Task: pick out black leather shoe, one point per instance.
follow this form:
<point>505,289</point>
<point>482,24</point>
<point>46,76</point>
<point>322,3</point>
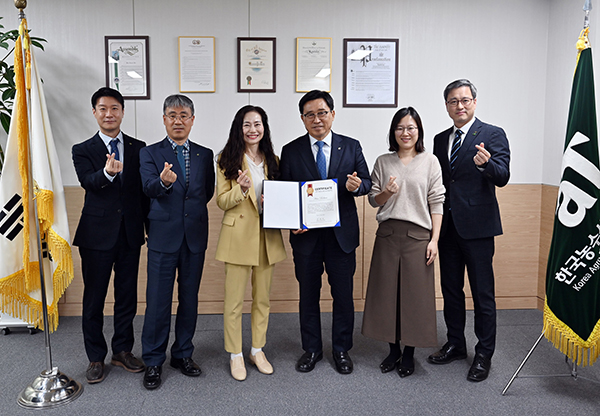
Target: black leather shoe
<point>387,366</point>
<point>152,377</point>
<point>480,368</point>
<point>343,362</point>
<point>405,371</point>
<point>447,354</point>
<point>95,372</point>
<point>187,366</point>
<point>307,362</point>
<point>128,361</point>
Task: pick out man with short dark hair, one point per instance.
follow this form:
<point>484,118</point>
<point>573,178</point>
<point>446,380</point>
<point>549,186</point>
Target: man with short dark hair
<point>179,177</point>
<point>323,154</point>
<point>110,232</point>
<point>475,158</point>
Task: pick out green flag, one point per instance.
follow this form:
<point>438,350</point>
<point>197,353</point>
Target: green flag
<point>572,310</point>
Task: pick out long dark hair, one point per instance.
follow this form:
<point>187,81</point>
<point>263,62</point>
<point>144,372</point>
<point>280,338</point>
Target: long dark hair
<point>400,114</point>
<point>232,154</point>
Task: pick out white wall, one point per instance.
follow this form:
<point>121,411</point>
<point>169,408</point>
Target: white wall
<point>519,53</point>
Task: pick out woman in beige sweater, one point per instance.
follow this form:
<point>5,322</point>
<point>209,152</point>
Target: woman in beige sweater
<point>244,245</point>
<point>408,190</point>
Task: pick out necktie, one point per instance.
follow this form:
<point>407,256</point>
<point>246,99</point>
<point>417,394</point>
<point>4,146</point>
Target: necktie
<point>455,148</point>
<point>321,163</point>
<point>181,160</point>
<point>114,149</point>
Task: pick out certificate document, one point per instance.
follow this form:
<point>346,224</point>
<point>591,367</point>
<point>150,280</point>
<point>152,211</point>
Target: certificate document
<point>320,204</point>
<point>313,64</point>
<point>196,64</point>
<point>296,205</point>
<point>256,64</point>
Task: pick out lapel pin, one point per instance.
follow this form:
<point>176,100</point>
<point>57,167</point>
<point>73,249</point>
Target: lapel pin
<point>340,148</point>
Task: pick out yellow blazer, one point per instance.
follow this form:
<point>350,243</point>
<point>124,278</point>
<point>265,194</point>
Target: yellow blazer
<point>240,228</point>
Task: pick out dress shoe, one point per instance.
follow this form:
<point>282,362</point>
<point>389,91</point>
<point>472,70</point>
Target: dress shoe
<point>95,372</point>
<point>187,366</point>
<point>152,377</point>
<point>261,362</point>
<point>343,362</point>
<point>447,354</point>
<point>388,365</point>
<point>238,368</point>
<point>128,361</point>
<point>307,362</point>
<point>480,368</point>
<point>404,371</point>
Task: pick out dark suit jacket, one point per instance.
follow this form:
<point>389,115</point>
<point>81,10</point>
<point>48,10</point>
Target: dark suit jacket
<point>178,212</point>
<point>298,164</point>
<point>106,201</point>
<point>471,193</point>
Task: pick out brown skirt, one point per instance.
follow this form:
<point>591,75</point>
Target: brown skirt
<point>400,301</point>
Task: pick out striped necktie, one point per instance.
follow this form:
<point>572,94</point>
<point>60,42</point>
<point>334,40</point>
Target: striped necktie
<point>321,163</point>
<point>455,147</point>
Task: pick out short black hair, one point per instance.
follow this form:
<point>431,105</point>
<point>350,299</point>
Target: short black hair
<point>457,84</point>
<point>400,114</point>
<point>107,92</point>
<point>178,100</point>
<point>315,95</point>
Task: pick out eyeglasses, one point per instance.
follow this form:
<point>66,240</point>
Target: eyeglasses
<point>175,117</point>
<point>409,129</point>
<point>320,114</point>
<point>464,101</point>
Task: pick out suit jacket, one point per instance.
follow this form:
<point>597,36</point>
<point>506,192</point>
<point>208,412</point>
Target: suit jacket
<point>471,193</point>
<point>241,226</point>
<point>177,212</point>
<point>107,202</point>
<point>298,164</point>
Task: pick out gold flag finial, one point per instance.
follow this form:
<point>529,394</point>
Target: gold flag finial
<point>20,4</point>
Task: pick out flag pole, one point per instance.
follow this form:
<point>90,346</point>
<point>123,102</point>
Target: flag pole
<point>587,7</point>
<point>51,388</point>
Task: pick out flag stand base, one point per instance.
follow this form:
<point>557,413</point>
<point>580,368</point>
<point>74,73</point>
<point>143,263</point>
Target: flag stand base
<point>573,373</point>
<point>50,389</point>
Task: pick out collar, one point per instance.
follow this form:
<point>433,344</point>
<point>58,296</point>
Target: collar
<point>326,140</point>
<point>107,139</point>
<point>174,145</point>
<point>465,129</point>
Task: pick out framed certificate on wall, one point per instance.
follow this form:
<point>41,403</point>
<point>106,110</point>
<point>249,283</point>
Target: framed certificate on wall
<point>197,64</point>
<point>127,69</point>
<point>256,65</point>
<point>370,72</point>
<point>313,64</point>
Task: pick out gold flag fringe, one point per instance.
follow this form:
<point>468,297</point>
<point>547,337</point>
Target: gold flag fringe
<point>568,342</point>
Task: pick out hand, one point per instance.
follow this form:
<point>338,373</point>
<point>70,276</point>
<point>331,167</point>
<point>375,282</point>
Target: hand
<point>392,187</point>
<point>244,180</point>
<point>299,231</point>
<point>167,176</point>
<point>432,252</point>
<point>113,166</point>
<point>482,156</point>
<point>353,182</point>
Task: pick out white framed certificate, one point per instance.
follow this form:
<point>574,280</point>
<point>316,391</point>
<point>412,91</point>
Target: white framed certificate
<point>196,64</point>
<point>313,64</point>
<point>301,205</point>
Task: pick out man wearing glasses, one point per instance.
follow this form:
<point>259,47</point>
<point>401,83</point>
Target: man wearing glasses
<point>323,154</point>
<point>178,176</point>
<point>474,157</point>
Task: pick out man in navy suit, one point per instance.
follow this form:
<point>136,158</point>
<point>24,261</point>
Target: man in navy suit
<point>110,232</point>
<point>475,159</point>
<point>322,154</point>
<point>179,177</point>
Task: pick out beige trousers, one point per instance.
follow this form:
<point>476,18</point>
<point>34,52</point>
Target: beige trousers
<point>236,280</point>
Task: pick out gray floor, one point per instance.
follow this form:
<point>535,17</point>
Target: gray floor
<point>432,390</point>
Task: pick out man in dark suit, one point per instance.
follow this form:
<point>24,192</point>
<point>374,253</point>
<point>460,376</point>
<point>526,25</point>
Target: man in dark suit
<point>110,232</point>
<point>179,178</point>
<point>322,154</point>
<point>475,160</point>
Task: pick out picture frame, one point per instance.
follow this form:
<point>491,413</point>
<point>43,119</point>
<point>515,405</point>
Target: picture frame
<point>127,65</point>
<point>196,63</point>
<point>313,64</point>
<point>256,69</point>
<point>370,72</point>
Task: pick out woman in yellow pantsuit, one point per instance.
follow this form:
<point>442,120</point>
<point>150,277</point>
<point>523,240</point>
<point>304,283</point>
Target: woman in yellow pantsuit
<point>244,245</point>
